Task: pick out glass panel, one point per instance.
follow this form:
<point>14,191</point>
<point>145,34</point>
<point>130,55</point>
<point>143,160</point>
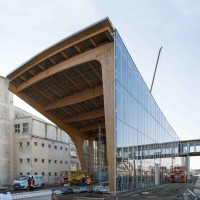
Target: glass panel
<point>140,128</point>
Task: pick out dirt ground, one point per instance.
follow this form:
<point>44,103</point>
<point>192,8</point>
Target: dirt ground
<point>168,191</point>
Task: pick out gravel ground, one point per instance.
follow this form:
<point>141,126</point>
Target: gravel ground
<point>168,191</point>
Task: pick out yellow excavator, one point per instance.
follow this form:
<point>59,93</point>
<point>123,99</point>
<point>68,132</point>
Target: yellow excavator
<point>74,177</point>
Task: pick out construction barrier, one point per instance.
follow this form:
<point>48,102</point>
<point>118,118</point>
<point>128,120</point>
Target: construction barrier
<point>35,195</point>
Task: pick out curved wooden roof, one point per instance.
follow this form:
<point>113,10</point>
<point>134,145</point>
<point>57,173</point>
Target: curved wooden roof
<point>74,96</point>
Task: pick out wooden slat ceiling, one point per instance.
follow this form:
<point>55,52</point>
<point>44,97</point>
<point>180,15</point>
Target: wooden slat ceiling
<point>59,93</point>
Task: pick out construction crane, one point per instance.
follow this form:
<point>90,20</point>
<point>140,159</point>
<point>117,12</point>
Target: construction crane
<point>155,69</point>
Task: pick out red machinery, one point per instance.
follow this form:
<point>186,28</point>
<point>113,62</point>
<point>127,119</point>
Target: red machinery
<point>178,174</point>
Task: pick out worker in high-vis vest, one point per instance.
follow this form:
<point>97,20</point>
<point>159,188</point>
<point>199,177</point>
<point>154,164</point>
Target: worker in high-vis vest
<point>31,183</point>
<point>88,182</point>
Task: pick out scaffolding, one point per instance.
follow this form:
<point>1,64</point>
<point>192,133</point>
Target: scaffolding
<point>98,153</point>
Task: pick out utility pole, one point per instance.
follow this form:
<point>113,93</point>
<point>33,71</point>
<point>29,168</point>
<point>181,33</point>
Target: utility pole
<point>155,69</point>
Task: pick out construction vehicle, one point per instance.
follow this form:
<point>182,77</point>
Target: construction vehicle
<point>178,174</point>
<point>74,177</point>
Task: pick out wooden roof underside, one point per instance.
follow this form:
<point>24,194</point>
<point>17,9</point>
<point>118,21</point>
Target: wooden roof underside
<point>75,95</point>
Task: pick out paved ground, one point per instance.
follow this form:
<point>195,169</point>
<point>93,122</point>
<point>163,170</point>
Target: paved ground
<point>162,192</point>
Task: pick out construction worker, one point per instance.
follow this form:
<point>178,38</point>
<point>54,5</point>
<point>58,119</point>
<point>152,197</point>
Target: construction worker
<point>83,180</point>
<point>88,182</point>
<point>31,183</point>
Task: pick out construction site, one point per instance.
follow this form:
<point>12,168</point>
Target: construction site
<point>89,86</point>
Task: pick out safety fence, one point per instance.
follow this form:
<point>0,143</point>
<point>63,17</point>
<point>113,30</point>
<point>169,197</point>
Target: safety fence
<point>35,195</point>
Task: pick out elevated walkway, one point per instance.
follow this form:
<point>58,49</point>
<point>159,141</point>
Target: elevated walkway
<point>161,150</point>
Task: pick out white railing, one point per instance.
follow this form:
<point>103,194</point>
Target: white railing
<point>35,195</point>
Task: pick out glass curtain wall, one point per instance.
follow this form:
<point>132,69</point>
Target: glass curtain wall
<point>141,127</point>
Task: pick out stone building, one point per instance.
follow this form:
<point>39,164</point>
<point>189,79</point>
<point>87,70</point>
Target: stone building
<point>30,145</point>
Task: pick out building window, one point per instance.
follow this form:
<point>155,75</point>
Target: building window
<point>49,173</point>
<point>49,146</point>
<point>43,173</point>
<point>74,153</point>
<point>42,160</point>
<point>28,159</point>
<point>55,147</point>
<point>21,173</point>
<point>73,166</point>
<point>60,148</point>
<point>17,128</point>
<point>36,173</point>
<point>49,161</point>
<point>25,127</point>
<point>35,159</point>
<point>20,160</point>
<point>61,162</point>
<point>20,144</point>
<point>28,173</point>
<point>28,143</point>
<point>65,162</point>
<point>55,161</point>
<point>55,173</point>
<point>65,149</point>
<point>42,144</point>
<point>35,143</point>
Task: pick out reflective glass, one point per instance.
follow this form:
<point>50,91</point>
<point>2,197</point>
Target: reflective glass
<point>141,128</point>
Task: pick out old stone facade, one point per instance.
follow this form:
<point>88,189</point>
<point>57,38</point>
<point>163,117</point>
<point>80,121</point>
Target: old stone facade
<point>30,145</point>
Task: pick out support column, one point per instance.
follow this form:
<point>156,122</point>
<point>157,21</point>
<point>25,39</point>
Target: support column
<point>78,141</point>
<point>91,157</point>
<point>157,174</point>
<point>187,159</point>
<point>107,62</point>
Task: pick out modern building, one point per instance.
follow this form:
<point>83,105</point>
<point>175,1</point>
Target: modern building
<point>89,85</point>
<point>30,145</point>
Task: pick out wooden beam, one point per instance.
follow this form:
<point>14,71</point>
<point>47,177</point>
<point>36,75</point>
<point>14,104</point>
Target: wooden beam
<point>32,72</point>
<point>76,98</point>
<point>77,60</point>
<point>91,127</point>
<point>85,116</point>
<point>52,61</point>
<point>60,85</point>
<point>22,78</point>
<point>42,94</point>
<point>92,100</point>
<point>83,77</point>
<point>93,68</point>
<point>92,42</point>
<point>77,48</point>
<point>64,55</point>
<point>71,80</point>
<point>52,117</point>
<point>41,67</point>
<point>59,50</point>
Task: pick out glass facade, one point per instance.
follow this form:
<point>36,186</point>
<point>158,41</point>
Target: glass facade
<point>141,129</point>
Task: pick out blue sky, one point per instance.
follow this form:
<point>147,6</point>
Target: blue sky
<point>29,26</point>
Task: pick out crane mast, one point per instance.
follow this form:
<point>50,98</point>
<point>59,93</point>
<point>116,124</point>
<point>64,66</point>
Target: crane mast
<point>155,69</point>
